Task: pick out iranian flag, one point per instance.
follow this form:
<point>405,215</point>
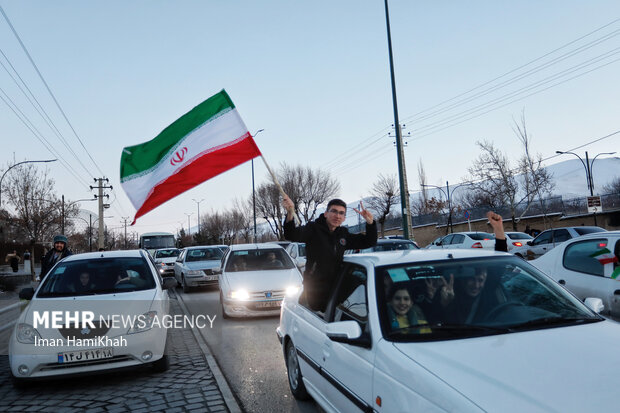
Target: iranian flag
<point>203,143</point>
<point>604,256</point>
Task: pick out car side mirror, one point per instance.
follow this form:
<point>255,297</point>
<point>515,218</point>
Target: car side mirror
<point>348,332</point>
<point>594,304</point>
<point>169,283</point>
<point>529,243</point>
<point>26,293</point>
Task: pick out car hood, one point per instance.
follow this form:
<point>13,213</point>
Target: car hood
<point>263,280</point>
<point>103,306</point>
<point>553,370</point>
<point>203,265</point>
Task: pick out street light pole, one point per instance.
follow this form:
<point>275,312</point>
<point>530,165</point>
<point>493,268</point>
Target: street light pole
<point>253,190</point>
<point>189,230</point>
<point>588,167</point>
<point>198,203</point>
<point>450,227</point>
<point>13,166</point>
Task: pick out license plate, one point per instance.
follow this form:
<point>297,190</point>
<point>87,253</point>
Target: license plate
<point>85,355</point>
<point>211,277</point>
<point>264,304</point>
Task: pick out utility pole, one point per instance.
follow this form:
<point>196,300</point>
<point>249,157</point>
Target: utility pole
<point>402,174</point>
<point>198,203</point>
<point>124,221</point>
<point>62,217</point>
<point>100,187</point>
<point>90,232</point>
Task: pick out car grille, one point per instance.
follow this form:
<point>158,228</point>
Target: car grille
<point>208,272</point>
<point>270,295</point>
<point>78,332</point>
<point>58,366</point>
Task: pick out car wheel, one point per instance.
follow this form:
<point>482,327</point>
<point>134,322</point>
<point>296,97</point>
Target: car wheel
<point>184,284</point>
<point>295,379</point>
<point>224,315</point>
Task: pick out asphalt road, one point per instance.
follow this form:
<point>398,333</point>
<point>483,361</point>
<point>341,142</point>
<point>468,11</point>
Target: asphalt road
<point>249,355</point>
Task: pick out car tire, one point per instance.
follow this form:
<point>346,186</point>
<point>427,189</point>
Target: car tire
<point>224,315</point>
<point>295,379</point>
<point>186,289</point>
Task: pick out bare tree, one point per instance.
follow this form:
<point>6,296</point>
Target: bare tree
<point>268,207</point>
<point>613,187</point>
<point>308,188</point>
<point>384,195</point>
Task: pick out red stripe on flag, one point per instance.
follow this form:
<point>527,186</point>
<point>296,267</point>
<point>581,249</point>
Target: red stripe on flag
<point>199,171</point>
<point>608,260</point>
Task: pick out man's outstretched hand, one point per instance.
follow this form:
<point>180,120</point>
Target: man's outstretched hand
<point>366,214</point>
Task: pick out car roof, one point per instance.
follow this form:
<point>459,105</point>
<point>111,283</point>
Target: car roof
<point>104,254</point>
<point>408,256</point>
<point>195,247</point>
<point>612,234</point>
<point>394,241</point>
<point>263,246</point>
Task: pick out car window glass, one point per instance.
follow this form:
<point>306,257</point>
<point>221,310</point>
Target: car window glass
<point>100,276</point>
<point>490,294</point>
<point>447,239</point>
<point>560,235</point>
<point>351,301</point>
<point>457,239</point>
<point>258,260</point>
<point>481,236</point>
<point>588,230</point>
<point>544,238</point>
<point>586,256</point>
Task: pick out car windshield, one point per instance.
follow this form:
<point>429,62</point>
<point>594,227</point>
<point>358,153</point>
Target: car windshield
<point>257,260</point>
<point>203,254</point>
<point>392,246</point>
<point>473,297</point>
<point>590,230</point>
<point>97,276</point>
<point>171,253</point>
<point>481,236</point>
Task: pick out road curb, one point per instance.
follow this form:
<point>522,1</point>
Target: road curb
<point>229,398</point>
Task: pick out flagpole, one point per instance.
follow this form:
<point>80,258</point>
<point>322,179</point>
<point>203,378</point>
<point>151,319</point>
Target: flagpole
<point>275,181</point>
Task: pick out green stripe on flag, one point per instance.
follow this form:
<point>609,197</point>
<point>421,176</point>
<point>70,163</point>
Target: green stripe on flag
<point>616,273</point>
<point>600,252</point>
<point>140,158</point>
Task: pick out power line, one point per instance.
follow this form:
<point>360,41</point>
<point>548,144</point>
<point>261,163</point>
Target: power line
<point>48,88</point>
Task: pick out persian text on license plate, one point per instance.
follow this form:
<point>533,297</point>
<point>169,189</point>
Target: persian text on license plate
<point>85,355</point>
<point>263,304</point>
<point>211,277</point>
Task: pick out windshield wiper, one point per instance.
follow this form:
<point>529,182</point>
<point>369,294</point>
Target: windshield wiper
<point>557,320</point>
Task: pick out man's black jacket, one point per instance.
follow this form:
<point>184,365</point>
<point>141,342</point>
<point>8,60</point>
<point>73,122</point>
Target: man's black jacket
<point>324,249</point>
<point>48,260</point>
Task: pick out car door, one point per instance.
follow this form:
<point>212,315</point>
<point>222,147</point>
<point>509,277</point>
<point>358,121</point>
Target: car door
<point>586,272</point>
<point>445,242</point>
<point>540,245</point>
<point>559,236</point>
<point>349,367</point>
<point>458,241</point>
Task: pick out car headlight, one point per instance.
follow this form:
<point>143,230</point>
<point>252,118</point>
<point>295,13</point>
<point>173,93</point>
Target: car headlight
<point>239,295</point>
<point>143,322</point>
<point>292,290</point>
<point>27,334</point>
<point>195,272</point>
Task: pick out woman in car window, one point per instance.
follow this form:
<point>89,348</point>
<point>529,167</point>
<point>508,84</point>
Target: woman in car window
<point>402,312</point>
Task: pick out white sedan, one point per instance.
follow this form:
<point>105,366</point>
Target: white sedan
<point>457,240</point>
<point>588,267</point>
<point>92,312</point>
<point>392,338</point>
<point>255,278</point>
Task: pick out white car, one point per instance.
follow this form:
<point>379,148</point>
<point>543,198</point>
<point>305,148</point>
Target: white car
<point>525,344</point>
<point>255,278</point>
<point>482,240</point>
<point>297,251</point>
<point>194,266</point>
<point>588,266</point>
<point>517,239</point>
<point>165,259</point>
<point>114,290</point>
<point>549,239</point>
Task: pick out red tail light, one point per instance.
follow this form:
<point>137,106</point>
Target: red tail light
<point>477,245</point>
<point>602,245</point>
<point>517,244</point>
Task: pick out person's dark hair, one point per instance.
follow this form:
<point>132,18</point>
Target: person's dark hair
<point>336,201</point>
<point>399,286</point>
